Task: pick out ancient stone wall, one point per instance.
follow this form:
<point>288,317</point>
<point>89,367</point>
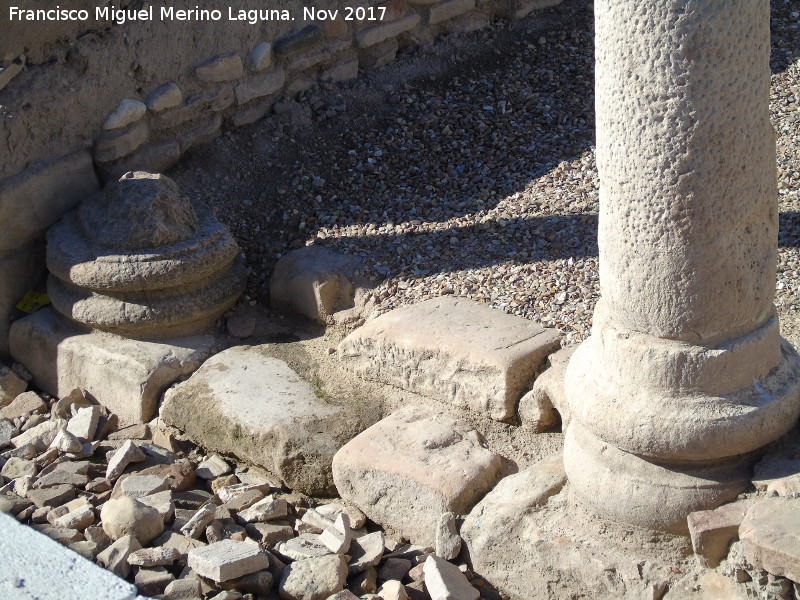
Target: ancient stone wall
<point>85,101</point>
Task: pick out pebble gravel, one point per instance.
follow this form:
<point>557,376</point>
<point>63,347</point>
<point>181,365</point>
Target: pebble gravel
<point>467,168</point>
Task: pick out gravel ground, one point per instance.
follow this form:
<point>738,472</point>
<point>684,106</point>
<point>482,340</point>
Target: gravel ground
<point>464,169</point>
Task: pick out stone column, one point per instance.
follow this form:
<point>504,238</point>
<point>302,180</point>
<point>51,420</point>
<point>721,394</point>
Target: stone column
<point>685,374</point>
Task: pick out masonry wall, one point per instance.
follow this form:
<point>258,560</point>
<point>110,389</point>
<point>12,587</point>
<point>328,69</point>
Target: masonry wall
<point>82,103</point>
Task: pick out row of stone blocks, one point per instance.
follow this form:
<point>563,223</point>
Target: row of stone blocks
<point>229,91</point>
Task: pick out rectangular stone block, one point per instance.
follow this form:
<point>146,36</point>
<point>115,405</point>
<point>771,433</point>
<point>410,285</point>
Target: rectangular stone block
<point>522,8</point>
<point>260,86</point>
<point>126,376</point>
<point>378,33</point>
<point>713,530</point>
<point>449,9</point>
<point>19,272</point>
<point>34,199</point>
<point>455,350</point>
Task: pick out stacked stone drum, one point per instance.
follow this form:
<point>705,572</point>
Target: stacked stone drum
<point>140,260</point>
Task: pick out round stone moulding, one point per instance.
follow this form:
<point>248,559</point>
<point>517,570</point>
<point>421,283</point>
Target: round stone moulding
<point>187,244</point>
<point>140,260</point>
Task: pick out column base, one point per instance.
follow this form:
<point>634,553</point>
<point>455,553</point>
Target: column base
<point>628,489</point>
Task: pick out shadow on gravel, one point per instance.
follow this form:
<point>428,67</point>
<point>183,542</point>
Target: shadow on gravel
<point>785,41</point>
<point>789,229</point>
<point>543,238</point>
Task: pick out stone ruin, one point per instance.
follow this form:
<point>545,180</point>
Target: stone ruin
<point>142,261</point>
<point>682,386</point>
<point>138,277</point>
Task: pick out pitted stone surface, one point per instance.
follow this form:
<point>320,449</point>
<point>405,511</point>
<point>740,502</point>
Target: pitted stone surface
<point>227,559</point>
<point>139,258</point>
<point>124,375</point>
<point>445,468</point>
<point>34,566</point>
<point>453,349</point>
<point>245,403</point>
<point>770,534</point>
<point>685,365</point>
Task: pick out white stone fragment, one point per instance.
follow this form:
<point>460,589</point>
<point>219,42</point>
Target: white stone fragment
<point>261,57</point>
<point>137,486</point>
<point>304,546</point>
<point>79,519</point>
<point>129,111</point>
<point>365,552</point>
<point>212,467</point>
<point>444,581</point>
<point>197,524</point>
<point>266,509</point>
<point>125,455</point>
<point>152,557</point>
<point>448,542</point>
<point>337,538</point>
<point>393,590</point>
<point>227,559</point>
<point>66,442</point>
<point>84,424</point>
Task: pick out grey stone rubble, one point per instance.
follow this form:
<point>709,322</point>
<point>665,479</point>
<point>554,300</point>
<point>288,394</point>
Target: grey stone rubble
<point>144,513</point>
<point>744,559</point>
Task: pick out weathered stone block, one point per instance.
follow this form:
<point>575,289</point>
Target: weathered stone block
<point>252,114</point>
<point>126,376</point>
<point>221,68</point>
<point>109,148</point>
<point>449,9</point>
<point>379,55</point>
<point>344,70</point>
<point>167,96</point>
<point>770,534</point>
<point>445,468</point>
<point>453,349</point>
<point>313,578</point>
<point>197,105</point>
<point>248,404</point>
<point>227,559</point>
<point>297,42</point>
<point>128,112</point>
<point>546,405</point>
<point>713,530</point>
<point>444,581</point>
<point>260,85</point>
<point>200,135</point>
<point>34,199</point>
<point>313,282</point>
<point>261,57</point>
<point>378,33</point>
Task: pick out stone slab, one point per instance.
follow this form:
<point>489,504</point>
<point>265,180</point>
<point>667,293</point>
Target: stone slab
<point>531,543</point>
<point>444,468</point>
<point>453,349</point>
<point>713,530</point>
<point>245,403</point>
<point>227,559</point>
<point>124,375</point>
<point>770,535</point>
<point>34,199</point>
<point>35,566</point>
